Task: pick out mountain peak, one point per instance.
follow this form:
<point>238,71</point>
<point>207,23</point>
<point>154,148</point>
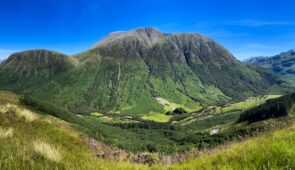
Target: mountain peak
<point>148,30</point>
<point>37,55</point>
<point>30,62</point>
<point>146,34</point>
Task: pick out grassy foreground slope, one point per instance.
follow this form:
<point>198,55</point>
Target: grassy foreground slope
<point>29,140</point>
<point>270,151</point>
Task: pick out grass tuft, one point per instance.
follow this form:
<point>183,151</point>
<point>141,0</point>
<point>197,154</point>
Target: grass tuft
<point>28,115</point>
<point>47,151</point>
<point>5,133</point>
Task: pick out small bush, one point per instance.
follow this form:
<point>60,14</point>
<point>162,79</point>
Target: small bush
<point>177,111</point>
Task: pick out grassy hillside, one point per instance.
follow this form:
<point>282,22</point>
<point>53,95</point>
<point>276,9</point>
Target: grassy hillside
<point>29,140</point>
<point>274,150</point>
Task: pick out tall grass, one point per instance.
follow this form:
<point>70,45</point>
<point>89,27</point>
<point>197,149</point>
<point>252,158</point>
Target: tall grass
<point>5,133</point>
<point>47,150</point>
<point>269,151</point>
<point>27,114</point>
<point>43,144</point>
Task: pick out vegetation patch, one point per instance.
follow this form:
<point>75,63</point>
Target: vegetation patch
<point>27,114</point>
<point>269,151</point>
<point>47,150</point>
<point>96,114</point>
<point>157,117</point>
<point>177,111</point>
<point>5,133</point>
<point>170,107</point>
<point>7,96</point>
<point>271,109</point>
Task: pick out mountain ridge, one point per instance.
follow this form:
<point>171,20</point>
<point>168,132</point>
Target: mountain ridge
<point>282,63</point>
<point>127,71</point>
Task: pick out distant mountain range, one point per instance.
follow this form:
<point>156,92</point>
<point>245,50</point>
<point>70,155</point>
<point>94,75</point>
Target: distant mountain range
<point>137,72</point>
<point>283,63</point>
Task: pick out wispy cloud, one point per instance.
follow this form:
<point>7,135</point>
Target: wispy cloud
<point>258,23</point>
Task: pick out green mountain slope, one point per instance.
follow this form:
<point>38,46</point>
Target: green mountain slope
<point>283,64</point>
<point>133,72</point>
<point>31,69</point>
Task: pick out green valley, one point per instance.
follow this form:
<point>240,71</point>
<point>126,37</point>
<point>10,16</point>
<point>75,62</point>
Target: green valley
<point>147,85</point>
<point>140,99</point>
<point>42,140</point>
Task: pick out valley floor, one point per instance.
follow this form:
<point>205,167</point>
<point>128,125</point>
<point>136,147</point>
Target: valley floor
<point>32,140</point>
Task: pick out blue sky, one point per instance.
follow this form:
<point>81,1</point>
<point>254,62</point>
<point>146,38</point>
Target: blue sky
<point>246,27</point>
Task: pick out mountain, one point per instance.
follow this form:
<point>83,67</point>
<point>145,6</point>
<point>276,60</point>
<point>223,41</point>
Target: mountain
<point>254,60</point>
<point>31,69</point>
<point>283,63</point>
<point>137,72</point>
<point>37,62</point>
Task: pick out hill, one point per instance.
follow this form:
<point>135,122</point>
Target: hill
<point>283,63</point>
<point>142,71</point>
